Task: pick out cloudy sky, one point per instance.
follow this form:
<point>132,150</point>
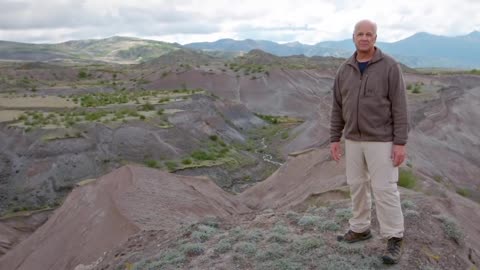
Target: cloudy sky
<point>184,21</point>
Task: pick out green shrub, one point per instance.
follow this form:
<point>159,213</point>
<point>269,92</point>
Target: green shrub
<point>293,216</point>
<point>151,163</point>
<point>172,257</point>
<point>22,117</point>
<point>236,233</point>
<point>475,71</point>
<point>223,246</point>
<point>202,155</point>
<point>187,161</point>
<point>307,243</point>
<point>463,192</point>
<point>254,235</point>
<point>451,229</point>
<point>279,234</point>
<point>246,248</point>
<point>328,225</point>
<point>309,221</point>
<point>171,165</point>
<point>192,249</point>
<point>343,214</point>
<point>280,228</point>
<point>282,264</point>
<point>203,233</point>
<point>271,252</point>
<point>82,74</point>
<point>407,204</point>
<point>147,107</point>
<point>409,213</point>
<point>406,179</point>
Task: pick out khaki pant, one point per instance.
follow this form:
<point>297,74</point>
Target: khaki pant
<point>369,167</point>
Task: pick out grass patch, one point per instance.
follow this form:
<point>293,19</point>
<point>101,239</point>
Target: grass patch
<point>328,225</point>
<point>344,214</point>
<point>278,119</point>
<point>18,211</point>
<point>122,97</point>
<point>309,221</point>
<point>236,234</point>
<point>202,155</point>
<point>406,179</point>
<point>203,233</point>
<point>409,213</point>
<point>245,248</point>
<point>438,178</point>
<point>223,246</point>
<point>451,229</point>
<point>463,192</point>
<point>279,234</point>
<point>416,88</point>
<point>186,161</point>
<point>407,204</point>
<point>33,119</point>
<point>171,165</point>
<point>271,252</point>
<point>292,216</point>
<point>254,235</point>
<point>281,264</point>
<point>170,257</point>
<point>307,244</point>
<point>152,163</point>
<point>192,249</point>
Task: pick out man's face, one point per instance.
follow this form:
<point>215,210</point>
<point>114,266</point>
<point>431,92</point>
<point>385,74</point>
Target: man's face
<point>364,37</point>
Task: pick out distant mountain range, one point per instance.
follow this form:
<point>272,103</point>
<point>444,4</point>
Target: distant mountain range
<point>113,49</point>
<point>420,50</point>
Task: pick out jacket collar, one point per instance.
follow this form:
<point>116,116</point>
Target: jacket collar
<point>377,56</point>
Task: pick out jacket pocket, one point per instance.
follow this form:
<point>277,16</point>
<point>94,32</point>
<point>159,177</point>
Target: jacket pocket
<point>370,86</point>
<point>375,86</point>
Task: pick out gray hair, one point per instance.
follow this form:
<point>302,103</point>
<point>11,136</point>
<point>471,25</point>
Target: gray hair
<point>366,21</point>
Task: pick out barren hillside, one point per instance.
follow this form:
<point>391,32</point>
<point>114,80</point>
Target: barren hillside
<point>239,177</point>
<point>143,217</point>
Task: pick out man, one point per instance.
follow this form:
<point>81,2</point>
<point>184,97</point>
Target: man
<point>369,107</point>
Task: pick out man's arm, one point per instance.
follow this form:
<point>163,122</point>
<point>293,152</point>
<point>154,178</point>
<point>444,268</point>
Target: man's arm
<point>337,122</point>
<point>398,98</point>
<point>397,95</point>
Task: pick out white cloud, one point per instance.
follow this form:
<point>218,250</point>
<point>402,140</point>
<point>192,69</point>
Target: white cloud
<point>183,21</point>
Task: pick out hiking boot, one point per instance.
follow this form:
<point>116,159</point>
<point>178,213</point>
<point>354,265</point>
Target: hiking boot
<point>394,251</point>
<point>352,237</point>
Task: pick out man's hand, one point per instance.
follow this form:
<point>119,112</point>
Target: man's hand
<point>398,155</point>
<point>336,151</point>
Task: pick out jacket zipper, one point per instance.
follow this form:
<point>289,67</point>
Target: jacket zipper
<point>358,104</point>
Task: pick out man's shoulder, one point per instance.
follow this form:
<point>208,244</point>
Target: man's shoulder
<point>344,64</point>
